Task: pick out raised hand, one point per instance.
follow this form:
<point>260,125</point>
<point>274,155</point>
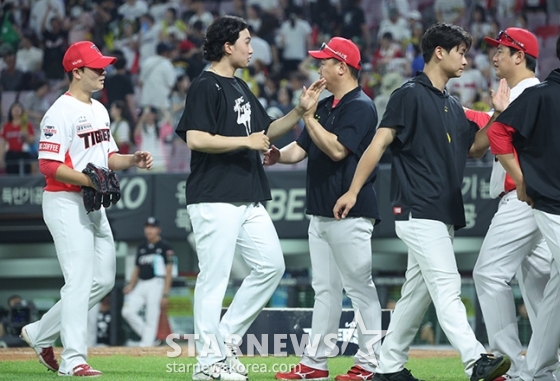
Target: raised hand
<point>258,141</point>
<point>500,98</point>
<point>271,156</point>
<point>310,96</point>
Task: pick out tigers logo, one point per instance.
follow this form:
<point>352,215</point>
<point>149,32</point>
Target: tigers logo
<point>49,131</point>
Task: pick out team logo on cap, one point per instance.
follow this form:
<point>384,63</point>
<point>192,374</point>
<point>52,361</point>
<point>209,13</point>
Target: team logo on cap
<point>95,48</point>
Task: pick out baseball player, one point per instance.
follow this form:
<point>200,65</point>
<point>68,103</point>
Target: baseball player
<point>430,138</point>
<point>525,138</point>
<point>226,128</point>
<point>149,284</point>
<point>334,138</point>
<point>75,132</point>
<point>513,241</point>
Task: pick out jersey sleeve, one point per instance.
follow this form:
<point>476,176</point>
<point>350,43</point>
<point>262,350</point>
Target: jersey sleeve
<point>354,124</point>
<point>522,113</point>
<point>400,113</point>
<point>56,136</point>
<point>200,108</point>
<point>479,117</point>
<point>304,140</point>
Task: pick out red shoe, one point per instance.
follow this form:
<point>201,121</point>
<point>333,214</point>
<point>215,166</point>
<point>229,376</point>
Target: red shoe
<point>356,373</point>
<point>505,377</point>
<point>303,372</point>
<point>83,370</point>
<point>46,355</point>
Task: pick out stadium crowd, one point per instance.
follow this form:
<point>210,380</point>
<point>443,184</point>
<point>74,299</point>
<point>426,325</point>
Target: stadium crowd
<point>158,44</point>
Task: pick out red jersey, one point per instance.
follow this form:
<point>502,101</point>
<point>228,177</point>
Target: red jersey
<point>12,134</point>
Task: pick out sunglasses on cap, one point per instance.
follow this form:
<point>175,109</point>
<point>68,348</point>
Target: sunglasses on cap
<point>341,55</point>
<point>502,35</point>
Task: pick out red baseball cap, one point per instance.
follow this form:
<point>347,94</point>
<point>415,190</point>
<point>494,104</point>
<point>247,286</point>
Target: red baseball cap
<point>517,38</point>
<point>340,49</point>
<point>85,54</point>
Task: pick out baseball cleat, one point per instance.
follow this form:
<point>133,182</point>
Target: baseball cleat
<point>356,373</point>
<point>488,367</point>
<point>233,361</point>
<point>46,355</point>
<point>218,371</point>
<point>403,375</point>
<point>303,372</point>
<point>83,370</point>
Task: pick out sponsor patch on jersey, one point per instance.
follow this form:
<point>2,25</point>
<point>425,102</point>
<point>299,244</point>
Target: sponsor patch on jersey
<point>397,210</point>
<point>49,131</point>
<point>49,147</point>
<point>84,127</point>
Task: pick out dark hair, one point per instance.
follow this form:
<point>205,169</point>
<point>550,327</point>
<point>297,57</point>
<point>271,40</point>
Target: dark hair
<point>124,110</point>
<point>10,117</point>
<point>354,73</point>
<point>70,74</point>
<point>39,83</point>
<point>448,36</point>
<point>530,61</point>
<point>223,29</point>
<point>173,11</point>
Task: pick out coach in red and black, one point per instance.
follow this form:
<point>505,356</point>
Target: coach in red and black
<point>529,127</point>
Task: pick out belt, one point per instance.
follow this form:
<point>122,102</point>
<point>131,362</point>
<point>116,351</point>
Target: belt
<point>501,195</point>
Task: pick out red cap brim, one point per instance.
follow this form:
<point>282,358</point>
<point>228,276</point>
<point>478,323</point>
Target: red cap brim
<point>102,62</point>
<point>322,54</point>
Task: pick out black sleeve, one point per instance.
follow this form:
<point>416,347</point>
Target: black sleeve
<point>168,253</point>
<point>355,122</point>
<point>400,113</point>
<point>522,113</point>
<point>304,140</point>
<point>137,261</point>
<point>200,108</point>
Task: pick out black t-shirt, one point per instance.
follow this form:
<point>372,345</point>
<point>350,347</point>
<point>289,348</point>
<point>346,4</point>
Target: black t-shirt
<point>224,106</point>
<point>117,87</point>
<point>535,115</point>
<point>152,258</point>
<point>353,120</point>
<point>429,152</point>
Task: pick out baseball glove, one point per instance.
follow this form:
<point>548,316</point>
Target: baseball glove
<point>106,189</point>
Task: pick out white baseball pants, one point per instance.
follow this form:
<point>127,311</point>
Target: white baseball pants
<point>341,259</point>
<point>542,352</point>
<point>148,294</point>
<point>219,230</point>
<point>86,252</point>
<point>431,274</point>
<point>512,244</point>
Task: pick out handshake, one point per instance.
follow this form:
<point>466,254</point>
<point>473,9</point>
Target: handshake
<point>106,189</point>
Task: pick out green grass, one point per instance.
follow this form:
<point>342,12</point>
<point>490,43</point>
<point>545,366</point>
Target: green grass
<point>155,368</point>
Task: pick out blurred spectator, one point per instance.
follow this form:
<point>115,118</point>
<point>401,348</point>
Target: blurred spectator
<point>10,32</point>
<point>119,87</point>
<point>133,9</point>
<point>55,42</point>
<point>99,323</point>
<point>178,97</point>
<point>479,27</point>
<point>189,61</point>
<point>261,49</point>
<point>272,6</point>
<point>11,78</point>
<point>149,37</point>
<point>281,108</point>
<point>200,14</point>
<point>36,104</point>
<point>403,7</point>
<point>157,78</point>
<point>294,38</point>
<point>387,51</point>
<point>389,83</point>
<point>417,63</point>
<point>29,58</point>
<point>353,25</point>
<point>254,14</point>
<point>120,127</point>
<point>17,134</point>
<point>42,11</point>
<point>104,14</point>
<point>450,11</point>
<point>79,25</point>
<point>396,25</point>
<point>469,84</point>
<point>149,137</point>
<point>239,9</point>
<point>171,28</point>
<point>159,7</point>
<point>127,43</point>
